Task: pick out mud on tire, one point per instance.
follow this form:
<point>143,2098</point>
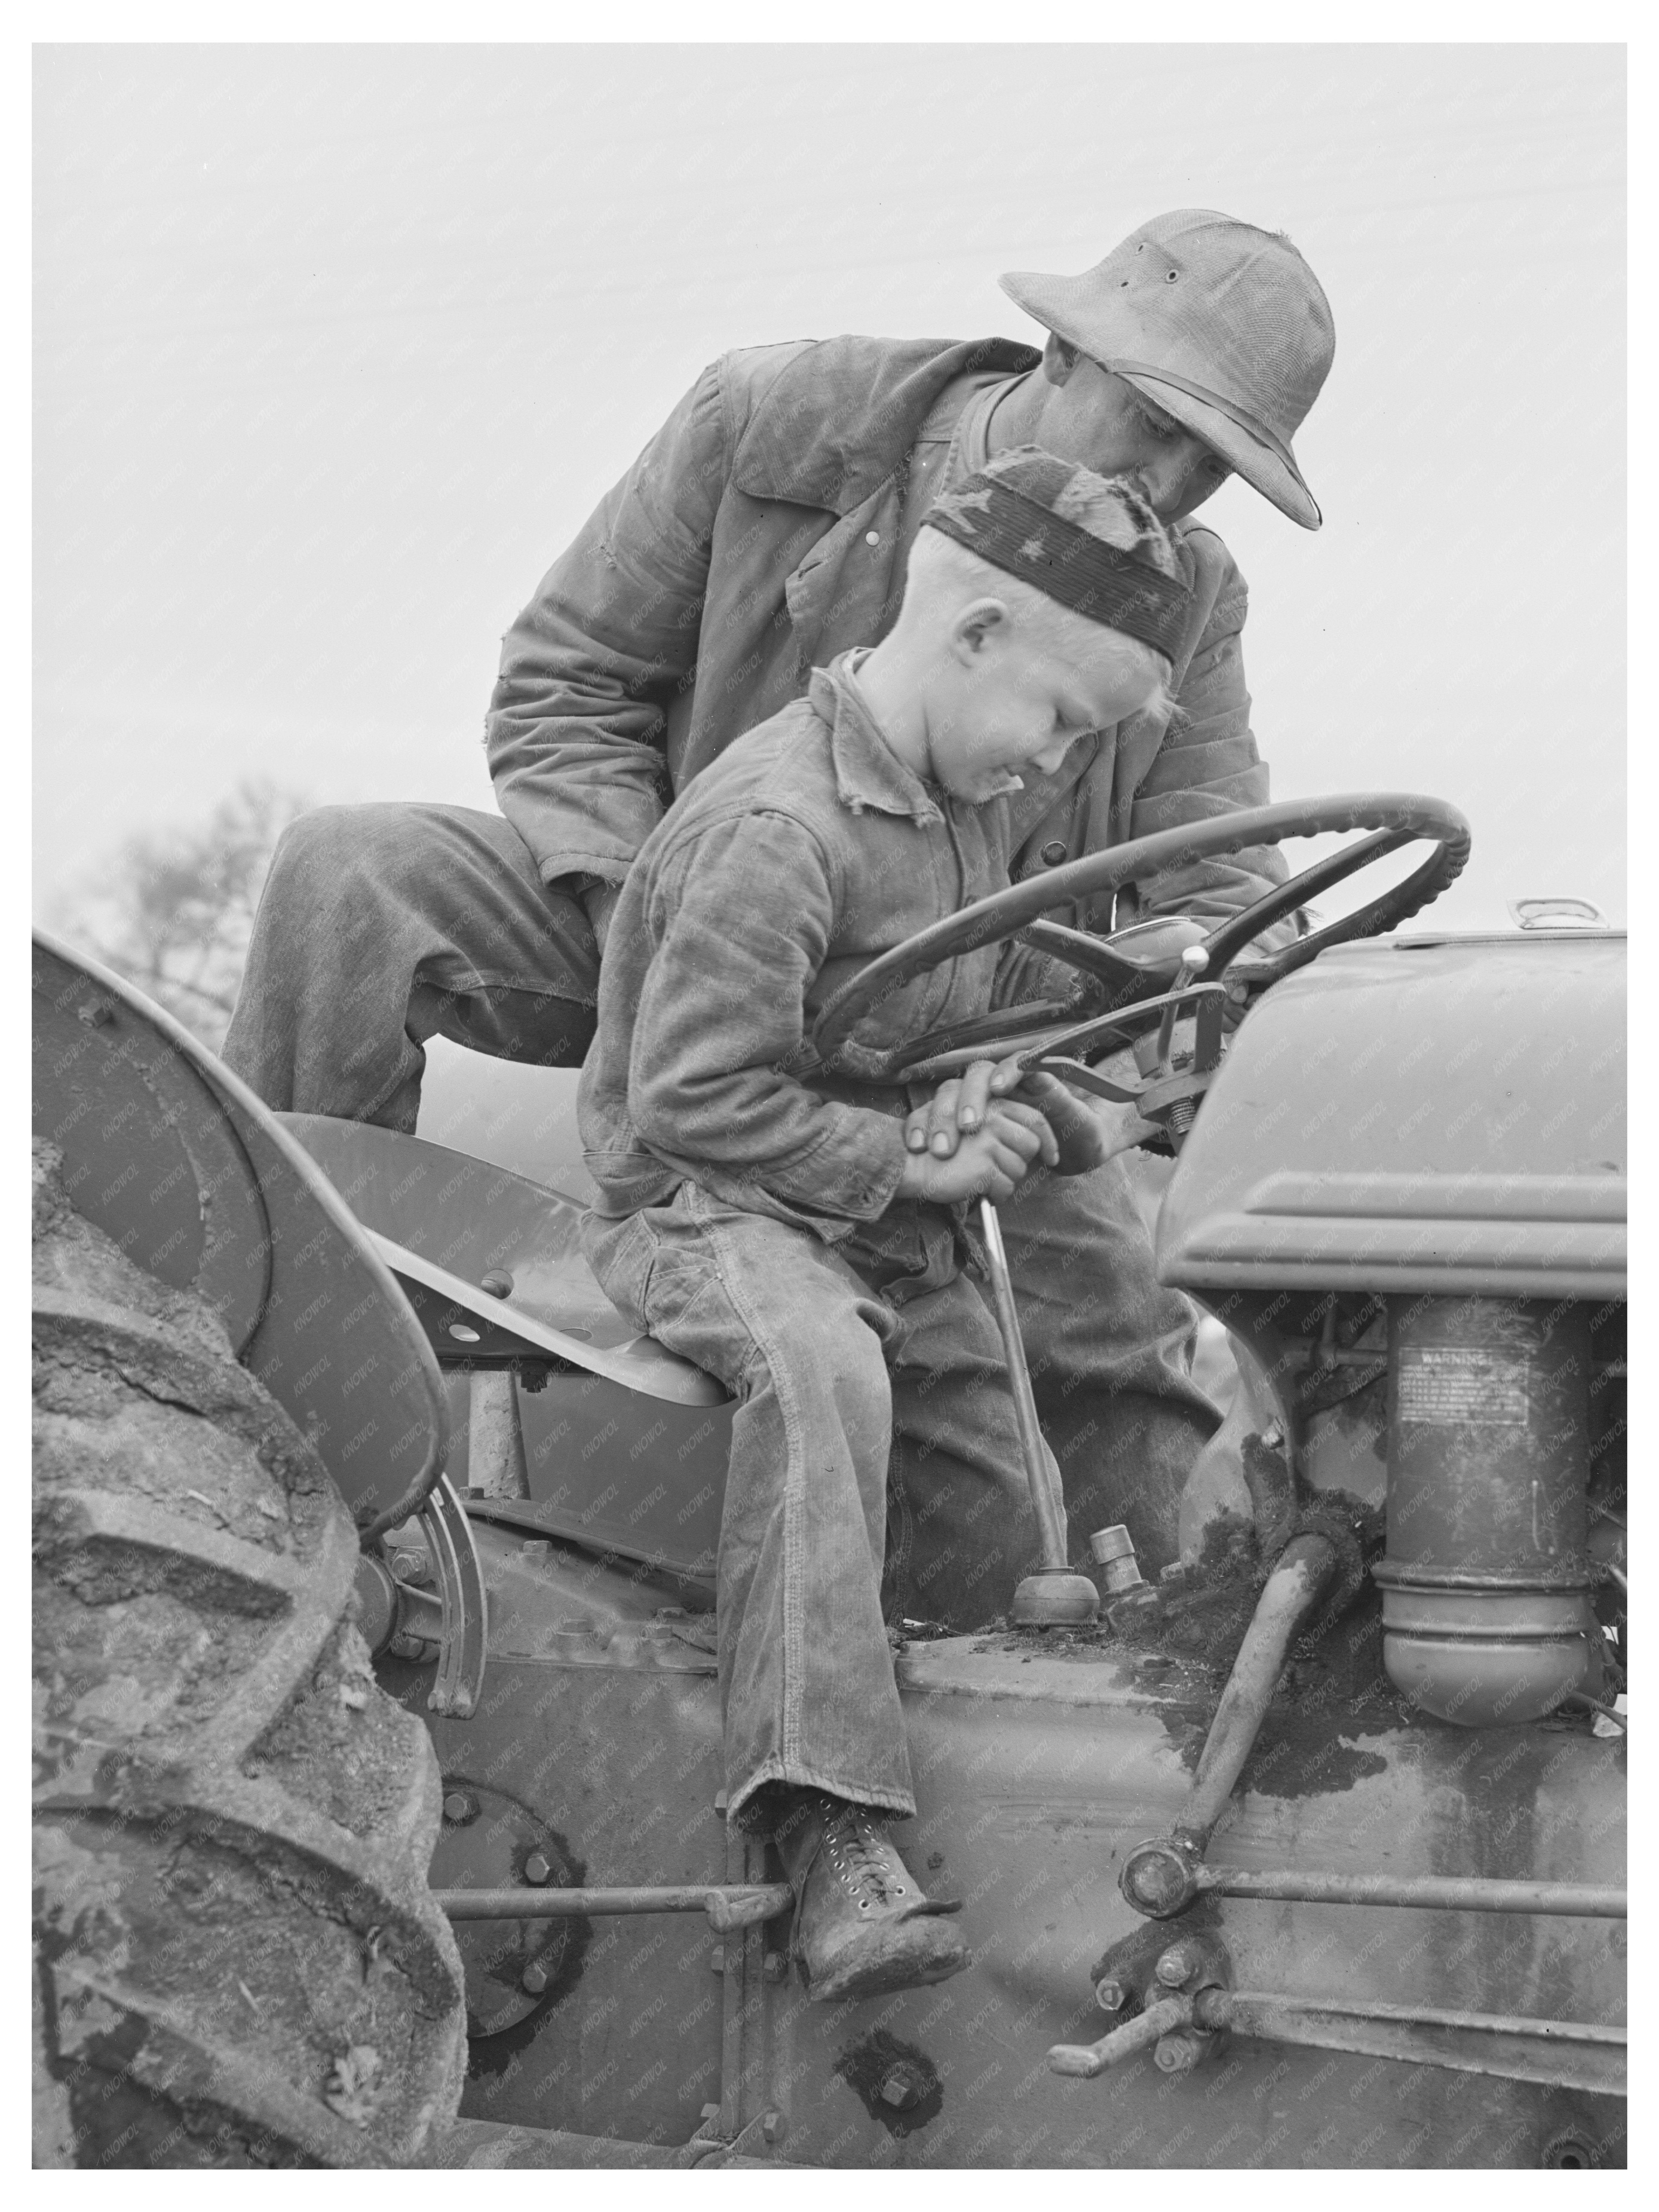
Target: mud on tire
<point>239,1961</point>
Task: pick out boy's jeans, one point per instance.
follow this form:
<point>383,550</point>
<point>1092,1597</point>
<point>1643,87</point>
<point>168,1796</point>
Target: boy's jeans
<point>381,926</point>
<point>832,1353</point>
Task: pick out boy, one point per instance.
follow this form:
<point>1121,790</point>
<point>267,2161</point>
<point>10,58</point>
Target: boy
<point>773,1227</point>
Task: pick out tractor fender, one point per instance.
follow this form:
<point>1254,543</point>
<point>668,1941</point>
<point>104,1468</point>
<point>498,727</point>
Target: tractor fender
<point>193,1179</point>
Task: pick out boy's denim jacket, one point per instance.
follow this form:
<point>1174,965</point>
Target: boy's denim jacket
<point>806,850</point>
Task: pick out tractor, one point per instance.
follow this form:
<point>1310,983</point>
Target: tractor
<point>380,1816</point>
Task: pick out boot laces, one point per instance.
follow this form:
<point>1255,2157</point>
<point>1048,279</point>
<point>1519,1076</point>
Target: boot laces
<point>866,1862</point>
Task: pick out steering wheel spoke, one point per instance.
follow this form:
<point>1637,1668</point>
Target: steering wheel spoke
<point>1241,929</point>
<point>982,1036</point>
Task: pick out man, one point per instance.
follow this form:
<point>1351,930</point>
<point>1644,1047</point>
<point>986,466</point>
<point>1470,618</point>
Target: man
<point>763,531</point>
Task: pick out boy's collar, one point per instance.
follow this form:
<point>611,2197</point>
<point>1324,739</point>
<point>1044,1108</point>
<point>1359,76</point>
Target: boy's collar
<point>868,772</point>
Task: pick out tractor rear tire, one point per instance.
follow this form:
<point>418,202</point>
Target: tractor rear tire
<point>239,1963</point>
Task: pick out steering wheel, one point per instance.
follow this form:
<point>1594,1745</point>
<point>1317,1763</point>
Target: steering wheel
<point>1151,986</point>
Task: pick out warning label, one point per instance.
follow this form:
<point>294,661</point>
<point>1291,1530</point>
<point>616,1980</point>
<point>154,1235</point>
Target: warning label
<point>1456,1385</point>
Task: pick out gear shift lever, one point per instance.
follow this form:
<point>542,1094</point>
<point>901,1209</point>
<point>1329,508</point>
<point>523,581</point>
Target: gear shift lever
<point>1054,1596</point>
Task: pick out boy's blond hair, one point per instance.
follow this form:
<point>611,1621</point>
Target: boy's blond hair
<point>1113,509</point>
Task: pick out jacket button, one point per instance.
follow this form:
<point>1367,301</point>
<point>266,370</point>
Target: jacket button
<point>1053,853</point>
<point>872,537</point>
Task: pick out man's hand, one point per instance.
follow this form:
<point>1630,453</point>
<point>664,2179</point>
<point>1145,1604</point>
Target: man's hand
<point>988,1161</point>
<point>959,1107</point>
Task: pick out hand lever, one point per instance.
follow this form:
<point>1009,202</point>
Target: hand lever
<point>1194,961</point>
<point>1055,1596</point>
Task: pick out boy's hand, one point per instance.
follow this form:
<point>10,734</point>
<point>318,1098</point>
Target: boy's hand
<point>1078,1138</point>
<point>1075,1142</point>
<point>988,1161</point>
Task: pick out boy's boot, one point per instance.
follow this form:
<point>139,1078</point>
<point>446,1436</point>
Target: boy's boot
<point>862,1925</point>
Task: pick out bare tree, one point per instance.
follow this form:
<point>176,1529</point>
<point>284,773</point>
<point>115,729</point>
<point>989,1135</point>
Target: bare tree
<point>172,911</point>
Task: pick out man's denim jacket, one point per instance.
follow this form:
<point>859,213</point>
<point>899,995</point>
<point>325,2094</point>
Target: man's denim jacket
<point>756,537</point>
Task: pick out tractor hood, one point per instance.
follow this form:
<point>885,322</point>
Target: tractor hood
<point>1432,1114</point>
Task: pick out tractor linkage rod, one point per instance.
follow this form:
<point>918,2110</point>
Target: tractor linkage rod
<point>1428,1892</point>
<point>1161,1879</point>
<point>727,1906</point>
<point>1578,2054</point>
<point>1305,1569</point>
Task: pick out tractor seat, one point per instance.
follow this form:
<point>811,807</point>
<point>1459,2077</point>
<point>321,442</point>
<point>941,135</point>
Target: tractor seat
<point>491,1263</point>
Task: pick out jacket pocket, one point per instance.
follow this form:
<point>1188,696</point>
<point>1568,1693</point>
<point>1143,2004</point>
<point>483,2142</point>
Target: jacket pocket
<point>623,1256</point>
<point>844,577</point>
<point>630,1179</point>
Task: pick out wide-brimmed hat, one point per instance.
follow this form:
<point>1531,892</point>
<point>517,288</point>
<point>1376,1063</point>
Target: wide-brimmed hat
<point>1224,326</point>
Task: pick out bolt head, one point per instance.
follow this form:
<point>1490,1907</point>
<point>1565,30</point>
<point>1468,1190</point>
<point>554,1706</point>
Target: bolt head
<point>538,1868</point>
<point>1175,2054</point>
<point>717,1960</point>
<point>900,2089</point>
<point>460,1807</point>
<point>1157,1880</point>
<point>535,1978</point>
<point>773,2126</point>
<point>774,1966</point>
<point>1177,1965</point>
<point>1110,1994</point>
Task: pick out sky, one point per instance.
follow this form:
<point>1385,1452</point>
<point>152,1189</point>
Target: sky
<point>336,346</point>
